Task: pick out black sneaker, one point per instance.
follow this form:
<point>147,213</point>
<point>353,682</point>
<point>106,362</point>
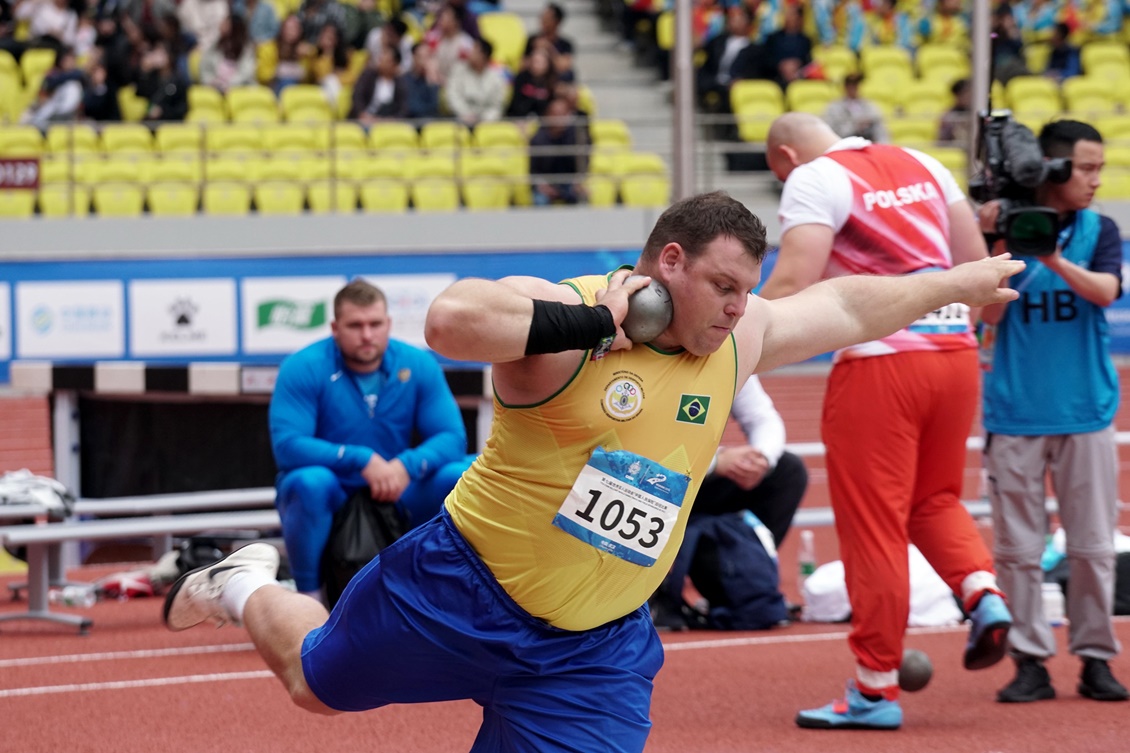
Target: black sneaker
<point>1097,682</point>
<point>1031,683</point>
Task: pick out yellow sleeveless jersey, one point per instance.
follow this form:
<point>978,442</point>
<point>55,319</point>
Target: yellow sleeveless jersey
<point>669,408</point>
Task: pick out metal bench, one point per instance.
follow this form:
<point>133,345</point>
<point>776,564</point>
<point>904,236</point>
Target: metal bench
<point>43,541</point>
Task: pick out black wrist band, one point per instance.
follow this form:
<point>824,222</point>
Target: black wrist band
<point>557,327</point>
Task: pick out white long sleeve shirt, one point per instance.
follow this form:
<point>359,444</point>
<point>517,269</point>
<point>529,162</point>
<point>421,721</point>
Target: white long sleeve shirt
<point>762,425</point>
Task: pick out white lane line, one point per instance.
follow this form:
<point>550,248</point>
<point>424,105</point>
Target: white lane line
<point>34,661</point>
<point>768,640</point>
<point>129,684</point>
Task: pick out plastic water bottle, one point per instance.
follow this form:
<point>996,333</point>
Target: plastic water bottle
<point>77,595</point>
<point>1054,610</point>
<point>806,555</point>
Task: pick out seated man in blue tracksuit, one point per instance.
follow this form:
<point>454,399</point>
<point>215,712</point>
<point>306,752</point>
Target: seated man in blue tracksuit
<point>345,414</point>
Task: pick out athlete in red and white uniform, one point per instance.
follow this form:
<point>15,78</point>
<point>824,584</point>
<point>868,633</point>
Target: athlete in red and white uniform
<point>898,410</point>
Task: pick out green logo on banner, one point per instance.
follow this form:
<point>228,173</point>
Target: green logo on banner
<point>693,409</point>
<point>292,314</point>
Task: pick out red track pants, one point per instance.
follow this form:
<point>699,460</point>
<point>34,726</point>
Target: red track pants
<point>895,429</point>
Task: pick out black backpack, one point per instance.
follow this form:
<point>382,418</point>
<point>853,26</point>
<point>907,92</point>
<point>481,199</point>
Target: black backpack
<point>361,529</point>
<point>730,566</point>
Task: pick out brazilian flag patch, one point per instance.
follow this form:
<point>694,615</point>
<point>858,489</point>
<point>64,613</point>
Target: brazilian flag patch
<point>693,409</point>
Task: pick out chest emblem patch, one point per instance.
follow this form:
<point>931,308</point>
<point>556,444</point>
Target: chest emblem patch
<point>623,397</point>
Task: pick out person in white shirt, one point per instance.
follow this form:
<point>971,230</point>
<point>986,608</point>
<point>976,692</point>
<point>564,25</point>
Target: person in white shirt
<point>759,476</point>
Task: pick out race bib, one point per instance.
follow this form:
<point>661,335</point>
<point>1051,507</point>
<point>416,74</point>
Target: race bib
<point>624,504</point>
<point>952,319</point>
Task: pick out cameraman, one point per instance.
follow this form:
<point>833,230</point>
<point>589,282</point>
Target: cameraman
<point>1050,395</point>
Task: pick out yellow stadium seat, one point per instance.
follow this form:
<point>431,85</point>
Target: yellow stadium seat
<point>173,199</point>
<point>229,167</point>
<point>498,134</point>
<point>325,197</point>
<point>35,63</point>
<point>812,96</point>
<point>275,198</point>
<point>1036,56</point>
<point>288,137</point>
<point>486,193</point>
<point>266,60</point>
<point>11,96</point>
<point>444,134</point>
<point>1022,88</point>
<point>1115,185</point>
<point>1101,52</point>
<point>638,163</point>
<point>836,60</point>
<point>889,81</point>
<point>952,157</point>
<point>873,58</point>
<point>435,195</point>
<point>9,65</point>
<point>133,107</point>
<point>1117,157</point>
<point>384,195</point>
<point>205,116</point>
<point>348,164</point>
<point>429,166</point>
<point>645,191</point>
<point>176,167</point>
<point>665,30</point>
<point>926,97</point>
<point>64,201</point>
<point>756,96</point>
<point>201,97</point>
<point>586,101</point>
<point>122,168</point>
<point>394,137</point>
<point>20,141</point>
<point>76,137</point>
<point>506,32</point>
<point>932,55</point>
<point>1083,94</point>
<point>610,134</point>
<point>305,103</point>
<point>179,137</point>
<point>1114,128</point>
<point>1035,119</point>
<point>17,204</point>
<point>340,137</point>
<point>118,200</point>
<point>252,104</point>
<point>911,131</point>
<point>226,198</point>
<point>233,137</point>
<point>602,190</point>
<point>126,137</point>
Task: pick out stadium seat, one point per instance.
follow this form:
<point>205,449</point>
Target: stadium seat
<point>1036,56</point>
<point>394,137</point>
<point>1101,52</point>
<point>429,166</point>
<point>72,137</point>
<point>1082,94</point>
<point>267,59</point>
<point>586,101</point>
<point>205,105</point>
<point>252,104</point>
<point>365,165</point>
<point>486,193</point>
<point>233,137</point>
<point>645,191</point>
<point>305,103</point>
<point>179,137</point>
<point>638,163</point>
<point>610,134</point>
<point>665,30</point>
<point>763,94</point>
<point>384,195</point>
<point>20,141</point>
<point>231,167</point>
<point>1114,127</point>
<point>812,96</point>
<point>173,199</point>
<point>57,201</point>
<point>35,62</point>
<point>435,195</point>
<point>126,137</point>
<point>837,61</point>
<point>274,168</point>
<point>952,157</point>
<point>340,137</point>
<point>926,97</point>
<point>444,135</point>
<point>913,131</point>
<point>1022,89</point>
<point>326,196</point>
<point>226,198</point>
<point>886,82</point>
<point>602,190</point>
<point>126,167</point>
<point>506,33</point>
<point>9,65</point>
<point>1117,157</point>
<point>1115,185</point>
<point>176,167</point>
<point>498,134</point>
<point>12,96</point>
<point>17,204</point>
<point>872,58</point>
<point>288,137</point>
<point>276,198</point>
<point>118,200</point>
<point>133,108</point>
<point>929,57</point>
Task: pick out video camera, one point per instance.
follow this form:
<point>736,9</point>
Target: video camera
<point>1012,167</point>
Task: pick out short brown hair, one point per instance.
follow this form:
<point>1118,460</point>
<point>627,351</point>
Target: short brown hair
<point>696,221</point>
<point>359,293</point>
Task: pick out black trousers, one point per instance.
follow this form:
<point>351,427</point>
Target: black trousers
<point>775,500</point>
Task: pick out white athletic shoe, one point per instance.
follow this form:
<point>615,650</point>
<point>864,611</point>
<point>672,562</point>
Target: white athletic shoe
<point>195,597</point>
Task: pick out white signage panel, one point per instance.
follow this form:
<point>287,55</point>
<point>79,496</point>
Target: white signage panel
<point>182,318</point>
<point>70,319</point>
<point>284,314</point>
<point>5,322</point>
<point>409,297</point>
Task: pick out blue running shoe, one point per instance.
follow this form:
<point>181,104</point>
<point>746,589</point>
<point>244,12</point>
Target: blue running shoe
<point>988,632</point>
<point>853,712</point>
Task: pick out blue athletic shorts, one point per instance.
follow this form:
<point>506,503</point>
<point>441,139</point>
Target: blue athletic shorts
<point>426,621</point>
